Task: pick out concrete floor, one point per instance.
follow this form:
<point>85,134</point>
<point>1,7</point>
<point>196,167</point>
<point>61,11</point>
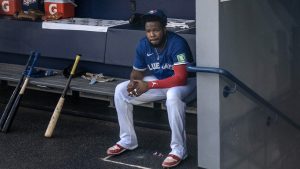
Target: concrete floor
<point>81,143</point>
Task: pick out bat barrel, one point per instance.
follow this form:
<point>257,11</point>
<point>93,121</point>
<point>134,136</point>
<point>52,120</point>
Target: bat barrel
<point>54,118</point>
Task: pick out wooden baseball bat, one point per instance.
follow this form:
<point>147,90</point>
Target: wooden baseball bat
<point>58,108</point>
<point>15,106</point>
<point>14,94</point>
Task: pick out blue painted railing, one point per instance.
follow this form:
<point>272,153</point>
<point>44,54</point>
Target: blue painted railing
<point>244,87</point>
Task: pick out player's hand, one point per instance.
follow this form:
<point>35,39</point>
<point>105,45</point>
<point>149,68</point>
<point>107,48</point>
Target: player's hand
<point>140,87</point>
<point>130,87</point>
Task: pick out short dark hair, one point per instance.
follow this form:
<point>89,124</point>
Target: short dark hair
<point>155,15</point>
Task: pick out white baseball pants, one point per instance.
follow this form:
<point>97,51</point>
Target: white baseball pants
<point>175,108</point>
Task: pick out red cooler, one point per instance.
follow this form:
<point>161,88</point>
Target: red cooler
<point>10,7</point>
<point>65,8</point>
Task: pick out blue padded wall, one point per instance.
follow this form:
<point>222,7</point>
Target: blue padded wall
<point>21,37</point>
<point>121,9</point>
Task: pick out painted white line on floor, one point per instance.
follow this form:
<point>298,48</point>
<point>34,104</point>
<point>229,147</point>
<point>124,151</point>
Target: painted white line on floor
<point>106,159</point>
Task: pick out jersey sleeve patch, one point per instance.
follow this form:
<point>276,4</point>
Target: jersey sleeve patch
<point>181,58</point>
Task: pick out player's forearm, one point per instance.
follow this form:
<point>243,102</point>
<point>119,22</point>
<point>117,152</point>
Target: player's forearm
<point>136,75</point>
<point>167,83</point>
<point>178,79</point>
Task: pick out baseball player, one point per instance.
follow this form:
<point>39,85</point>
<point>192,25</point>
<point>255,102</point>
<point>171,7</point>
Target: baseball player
<point>166,55</point>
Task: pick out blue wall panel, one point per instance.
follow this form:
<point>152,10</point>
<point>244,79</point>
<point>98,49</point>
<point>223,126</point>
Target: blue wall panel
<point>21,37</point>
<point>121,9</point>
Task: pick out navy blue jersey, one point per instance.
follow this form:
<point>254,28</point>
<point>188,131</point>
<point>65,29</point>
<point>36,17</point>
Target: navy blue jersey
<point>160,64</point>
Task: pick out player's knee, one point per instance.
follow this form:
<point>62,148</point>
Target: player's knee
<point>173,95</point>
<point>174,99</point>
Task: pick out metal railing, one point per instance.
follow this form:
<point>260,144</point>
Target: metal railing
<point>229,90</point>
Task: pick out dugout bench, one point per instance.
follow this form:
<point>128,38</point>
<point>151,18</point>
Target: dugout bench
<point>79,87</point>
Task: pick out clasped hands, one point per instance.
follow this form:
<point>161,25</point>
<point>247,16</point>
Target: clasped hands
<point>137,88</point>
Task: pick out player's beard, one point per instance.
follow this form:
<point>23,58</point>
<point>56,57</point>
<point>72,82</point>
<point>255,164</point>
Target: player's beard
<point>161,44</point>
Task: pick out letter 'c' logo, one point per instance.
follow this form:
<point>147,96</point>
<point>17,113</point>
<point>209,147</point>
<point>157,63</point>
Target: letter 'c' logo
<point>53,9</point>
<point>5,6</point>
